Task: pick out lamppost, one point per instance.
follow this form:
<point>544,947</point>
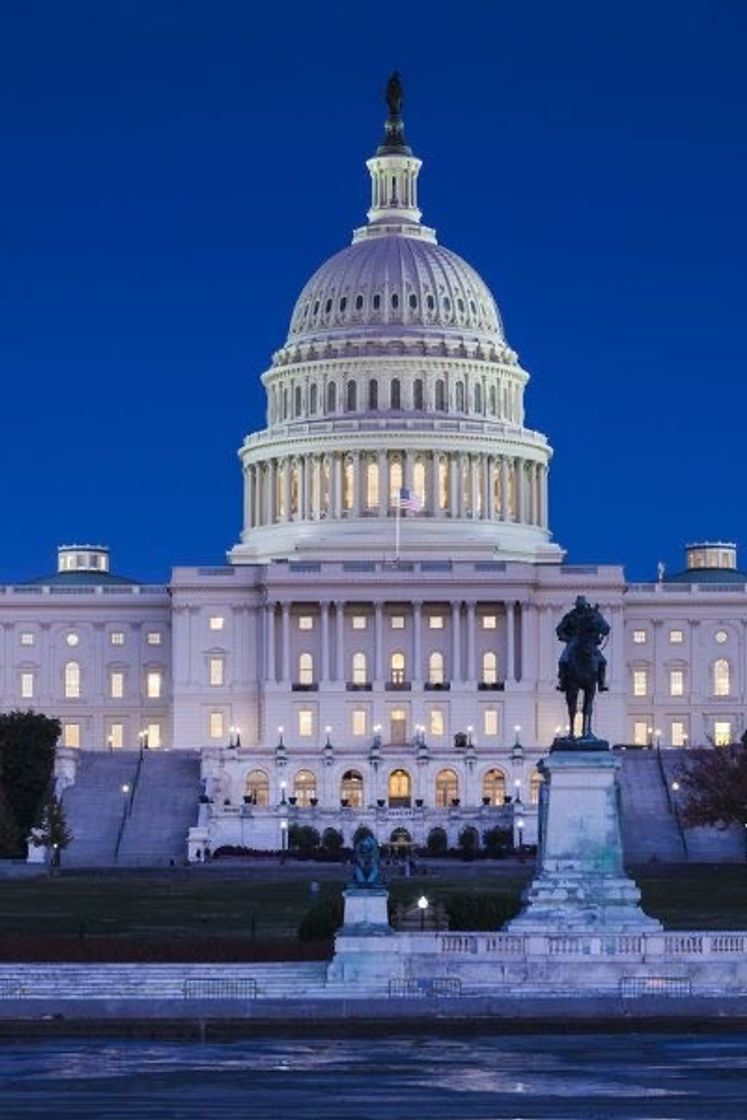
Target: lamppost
<point>110,742</point>
<point>517,733</point>
<point>517,788</point>
<point>284,837</point>
<point>658,738</point>
<point>282,795</point>
<point>231,740</point>
<point>650,731</point>
<point>422,907</point>
<point>520,830</point>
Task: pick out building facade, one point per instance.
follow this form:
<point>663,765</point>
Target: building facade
<point>380,647</point>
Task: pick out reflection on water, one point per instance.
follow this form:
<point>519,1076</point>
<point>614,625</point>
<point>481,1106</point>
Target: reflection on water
<point>517,1077</point>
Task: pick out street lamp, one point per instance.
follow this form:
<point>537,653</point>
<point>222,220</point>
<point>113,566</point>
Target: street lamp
<point>520,830</point>
<point>282,794</point>
<point>125,789</point>
<point>422,907</point>
<point>283,835</point>
<point>658,738</point>
<point>469,735</point>
<point>280,736</point>
<point>237,744</point>
<point>650,731</point>
<point>517,733</point>
<point>517,794</point>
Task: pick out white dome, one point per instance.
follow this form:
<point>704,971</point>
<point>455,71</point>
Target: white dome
<point>396,284</point>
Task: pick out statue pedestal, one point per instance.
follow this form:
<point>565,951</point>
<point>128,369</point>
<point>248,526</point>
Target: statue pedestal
<point>366,912</point>
<point>581,885</point>
<point>365,947</point>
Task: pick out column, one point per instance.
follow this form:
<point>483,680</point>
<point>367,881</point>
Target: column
<point>435,508</point>
<point>544,521</point>
<point>316,487</point>
<point>337,488</point>
<point>378,642</point>
<point>472,467</point>
<point>383,484</point>
<point>272,498</point>
<point>417,619</point>
<point>340,640</point>
<point>453,485</point>
<point>510,651</point>
<point>285,623</point>
<point>260,503</point>
<point>527,613</point>
<point>409,463</point>
<point>505,507</point>
<point>248,497</point>
<point>305,487</point>
<point>358,477</point>
<point>286,479</point>
<point>489,501</point>
<point>520,490</point>
<point>270,642</point>
<point>470,642</point>
<point>324,667</point>
<point>456,642</point>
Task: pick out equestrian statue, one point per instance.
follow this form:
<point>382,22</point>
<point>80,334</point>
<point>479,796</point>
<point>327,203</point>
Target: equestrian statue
<point>582,666</point>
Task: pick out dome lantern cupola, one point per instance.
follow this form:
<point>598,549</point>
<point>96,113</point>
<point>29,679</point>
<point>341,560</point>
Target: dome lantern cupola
<point>394,172</point>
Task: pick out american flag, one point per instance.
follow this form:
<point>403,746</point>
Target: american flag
<point>408,499</point>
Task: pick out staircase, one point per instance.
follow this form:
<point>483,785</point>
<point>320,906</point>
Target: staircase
<point>164,808</point>
<point>94,806</point>
<point>650,829</point>
<point>704,845</point>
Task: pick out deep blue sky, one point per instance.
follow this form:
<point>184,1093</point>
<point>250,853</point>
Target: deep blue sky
<point>174,172</point>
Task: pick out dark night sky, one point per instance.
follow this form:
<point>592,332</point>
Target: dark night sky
<point>174,172</point>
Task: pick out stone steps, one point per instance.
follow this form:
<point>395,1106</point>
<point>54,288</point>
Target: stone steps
<point>649,827</point>
<point>164,808</point>
<point>94,806</point>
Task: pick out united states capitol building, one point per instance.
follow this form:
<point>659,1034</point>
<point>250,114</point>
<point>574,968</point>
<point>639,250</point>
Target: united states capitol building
<point>380,646</point>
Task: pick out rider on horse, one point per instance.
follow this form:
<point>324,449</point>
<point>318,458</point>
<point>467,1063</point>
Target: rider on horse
<point>583,622</point>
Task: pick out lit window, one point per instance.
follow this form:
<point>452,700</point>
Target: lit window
<point>215,671</point>
<point>154,734</point>
<point>435,622</point>
<point>360,721</point>
<point>722,733</point>
<point>153,638</point>
<point>305,668</point>
<point>640,733</point>
<point>447,788</point>
<point>72,680</point>
<point>257,788</point>
<point>360,671</point>
<point>397,668</point>
<point>640,682</point>
<point>217,725</point>
<point>72,639</point>
<point>676,637</point>
<point>436,722</point>
<point>436,668</point>
<point>27,638</point>
<point>372,484</point>
<point>116,685</point>
<point>535,785</point>
<point>721,677</point>
<point>306,622</point>
<point>489,622</point>
<point>494,787</point>
<point>639,637</point>
<point>116,735</point>
<point>27,686</point>
<point>154,683</point>
<point>216,622</point>
<point>679,738</point>
<point>117,638</point>
<point>71,735</point>
<point>490,721</point>
<point>359,622</point>
<point>351,789</point>
<point>676,682</point>
<point>489,667</point>
<point>305,723</point>
<point>397,622</point>
<point>721,637</point>
<point>304,788</point>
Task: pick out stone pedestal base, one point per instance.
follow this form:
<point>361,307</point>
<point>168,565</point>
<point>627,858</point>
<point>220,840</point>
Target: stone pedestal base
<point>366,912</point>
<point>581,885</point>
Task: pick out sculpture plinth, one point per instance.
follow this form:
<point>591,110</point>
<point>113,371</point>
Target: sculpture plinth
<point>366,912</point>
<point>581,885</point>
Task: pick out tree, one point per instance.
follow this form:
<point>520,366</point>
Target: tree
<point>715,783</point>
<point>52,831</point>
<point>361,833</point>
<point>27,743</point>
<point>332,841</point>
<point>10,838</point>
<point>437,842</point>
<point>303,838</point>
<point>469,841</point>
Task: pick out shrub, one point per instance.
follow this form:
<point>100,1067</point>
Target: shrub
<point>303,838</point>
<point>332,841</point>
<point>469,842</point>
<point>480,911</point>
<point>496,841</point>
<point>361,833</point>
<point>437,843</point>
<point>322,920</point>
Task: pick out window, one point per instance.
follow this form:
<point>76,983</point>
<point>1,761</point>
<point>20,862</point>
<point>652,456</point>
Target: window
<point>71,735</point>
<point>488,622</point>
<point>305,723</point>
<point>447,788</point>
<point>436,722</point>
<point>305,668</point>
<point>154,734</point>
<point>372,485</point>
<point>360,669</point>
<point>436,668</point>
<point>721,637</point>
<point>399,789</point>
<point>722,733</point>
<point>116,638</point>
<point>721,677</point>
<point>27,686</point>
<point>397,668</point>
<point>678,736</point>
<point>351,789</point>
<point>676,637</point>
<point>535,785</point>
<point>397,621</point>
<point>440,396</point>
<point>72,639</point>
<point>417,394</point>
<point>359,621</point>
<point>331,397</point>
<point>351,397</point>
<point>27,638</point>
<point>72,680</point>
<point>153,638</point>
<point>216,621</point>
<point>489,667</point>
<point>640,733</point>
<point>304,788</point>
<point>154,683</point>
<point>116,684</point>
<point>313,393</point>
<point>435,622</point>
<point>490,721</point>
<point>395,394</point>
<point>459,397</point>
<point>217,725</point>
<point>398,726</point>
<point>216,672</point>
<point>373,395</point>
<point>676,682</point>
<point>639,637</point>
<point>360,721</point>
<point>640,682</point>
<point>494,787</point>
<point>348,483</point>
<point>306,622</point>
<point>257,788</point>
<point>116,735</point>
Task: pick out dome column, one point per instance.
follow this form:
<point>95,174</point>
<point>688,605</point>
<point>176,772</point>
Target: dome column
<point>381,461</point>
<point>453,461</point>
<point>248,498</point>
<point>504,489</point>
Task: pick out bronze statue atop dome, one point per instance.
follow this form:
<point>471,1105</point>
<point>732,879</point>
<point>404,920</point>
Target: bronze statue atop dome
<point>395,94</point>
<point>394,142</point>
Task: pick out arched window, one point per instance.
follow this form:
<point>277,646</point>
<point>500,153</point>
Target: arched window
<point>331,397</point>
<point>417,394</point>
<point>535,785</point>
<point>494,787</point>
<point>372,485</point>
<point>395,394</point>
<point>395,481</point>
<point>313,399</point>
<point>285,404</point>
<point>347,484</point>
<point>489,667</point>
<point>305,668</point>
<point>397,668</point>
<point>72,680</point>
<point>373,395</point>
<point>351,397</point>
<point>418,481</point>
<point>459,396</point>
<point>351,789</point>
<point>360,669</point>
<point>493,400</point>
<point>436,668</point>
<point>399,789</point>
<point>304,788</point>
<point>257,788</point>
<point>447,788</point>
<point>478,398</point>
<point>443,484</point>
<point>721,677</point>
<point>297,401</point>
<point>440,396</point>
